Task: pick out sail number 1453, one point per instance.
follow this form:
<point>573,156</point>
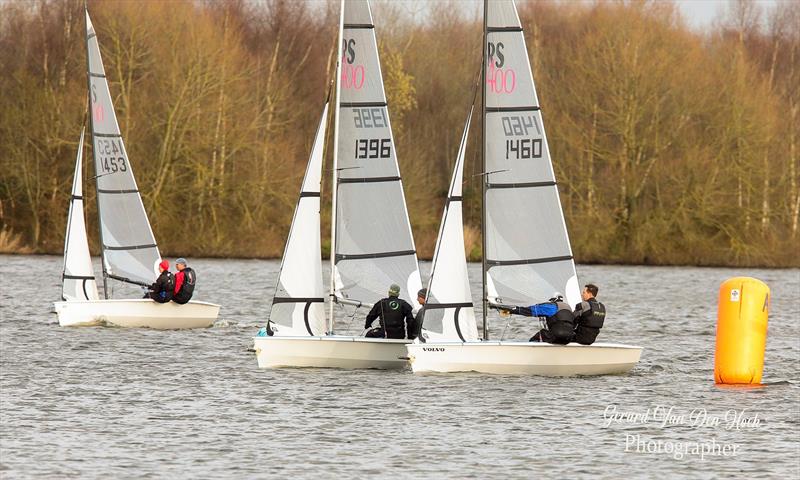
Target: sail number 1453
<point>110,156</point>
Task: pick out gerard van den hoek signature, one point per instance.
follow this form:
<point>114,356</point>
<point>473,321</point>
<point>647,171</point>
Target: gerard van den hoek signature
<point>664,416</point>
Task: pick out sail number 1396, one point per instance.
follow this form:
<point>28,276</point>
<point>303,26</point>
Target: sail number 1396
<point>374,148</point>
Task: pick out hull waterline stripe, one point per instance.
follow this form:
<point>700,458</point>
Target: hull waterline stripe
<point>361,256</point>
<point>100,190</point>
<point>107,135</point>
<point>77,197</point>
<point>528,108</point>
<point>309,194</point>
<point>298,300</point>
<point>503,29</point>
<point>528,261</point>
<point>359,26</point>
<point>97,75</point>
<point>520,185</point>
<point>131,247</point>
<point>435,306</point>
<point>369,179</point>
<point>362,104</point>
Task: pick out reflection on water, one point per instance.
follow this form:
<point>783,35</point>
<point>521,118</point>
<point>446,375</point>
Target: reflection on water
<point>95,402</point>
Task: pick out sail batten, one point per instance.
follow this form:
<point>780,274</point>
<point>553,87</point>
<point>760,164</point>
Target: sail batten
<point>373,244</point>
<point>527,250</point>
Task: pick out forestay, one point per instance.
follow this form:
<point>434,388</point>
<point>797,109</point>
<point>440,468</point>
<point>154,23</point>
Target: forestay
<point>78,282</point>
<point>373,244</point>
<point>299,300</point>
<point>129,248</point>
<point>449,313</point>
<point>528,255</point>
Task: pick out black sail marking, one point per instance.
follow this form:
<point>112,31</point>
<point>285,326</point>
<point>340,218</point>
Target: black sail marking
<point>305,318</point>
<point>85,293</point>
<point>361,256</point>
<point>458,327</point>
<point>527,261</point>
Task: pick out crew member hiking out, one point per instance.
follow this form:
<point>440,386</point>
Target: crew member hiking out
<point>396,317</point>
<point>161,290</point>
<point>589,316</point>
<point>558,320</point>
<point>185,280</point>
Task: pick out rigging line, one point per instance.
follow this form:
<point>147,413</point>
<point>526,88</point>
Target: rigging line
<point>493,171</point>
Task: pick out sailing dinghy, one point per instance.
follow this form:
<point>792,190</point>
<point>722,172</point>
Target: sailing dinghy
<point>129,250</point>
<point>371,242</point>
<point>527,255</point>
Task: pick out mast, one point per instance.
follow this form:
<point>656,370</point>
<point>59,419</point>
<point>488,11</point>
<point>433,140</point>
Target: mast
<point>484,175</point>
<point>334,181</point>
<point>94,153</point>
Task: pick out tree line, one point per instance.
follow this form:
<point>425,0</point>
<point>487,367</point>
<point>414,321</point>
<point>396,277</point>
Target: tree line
<point>670,146</point>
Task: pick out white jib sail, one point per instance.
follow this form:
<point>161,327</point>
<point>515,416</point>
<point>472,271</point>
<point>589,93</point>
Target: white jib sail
<point>374,247</point>
<point>528,254</point>
<point>129,248</point>
<point>78,281</point>
<point>298,305</point>
<point>449,313</point>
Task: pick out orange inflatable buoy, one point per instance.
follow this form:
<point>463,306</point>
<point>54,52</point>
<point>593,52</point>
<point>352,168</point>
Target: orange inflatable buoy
<point>741,331</point>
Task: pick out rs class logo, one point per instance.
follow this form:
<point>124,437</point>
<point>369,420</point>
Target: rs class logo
<point>433,349</point>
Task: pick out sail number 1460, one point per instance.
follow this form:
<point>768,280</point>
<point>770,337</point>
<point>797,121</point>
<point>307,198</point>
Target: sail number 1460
<point>522,126</point>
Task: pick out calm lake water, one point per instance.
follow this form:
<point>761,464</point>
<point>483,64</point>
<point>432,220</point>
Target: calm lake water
<point>106,402</point>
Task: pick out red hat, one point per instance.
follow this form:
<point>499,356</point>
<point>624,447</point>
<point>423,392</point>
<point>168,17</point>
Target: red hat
<point>164,264</point>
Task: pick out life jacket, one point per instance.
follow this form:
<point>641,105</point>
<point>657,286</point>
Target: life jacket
<point>590,321</point>
<point>187,287</point>
<point>393,317</point>
<point>165,284</point>
<point>560,324</point>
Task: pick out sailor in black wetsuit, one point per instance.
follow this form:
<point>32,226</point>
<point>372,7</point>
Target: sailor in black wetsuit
<point>396,317</point>
<point>422,296</point>
<point>589,316</point>
<point>185,280</point>
<point>161,290</point>
<point>558,320</point>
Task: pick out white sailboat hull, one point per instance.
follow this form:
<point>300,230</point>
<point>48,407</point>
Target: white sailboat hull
<point>331,352</point>
<point>136,313</point>
<point>523,358</point>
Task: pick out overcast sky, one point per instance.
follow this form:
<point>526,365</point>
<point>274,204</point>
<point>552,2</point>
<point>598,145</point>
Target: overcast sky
<point>699,14</point>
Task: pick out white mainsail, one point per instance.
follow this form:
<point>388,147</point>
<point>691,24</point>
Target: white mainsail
<point>298,305</point>
<point>129,248</point>
<point>373,244</point>
<point>527,250</point>
<point>449,313</point>
<point>78,282</point>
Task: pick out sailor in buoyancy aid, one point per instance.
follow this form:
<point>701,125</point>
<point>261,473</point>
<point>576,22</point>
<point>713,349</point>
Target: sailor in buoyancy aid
<point>161,290</point>
<point>396,317</point>
<point>589,316</point>
<point>185,280</point>
<point>559,320</point>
